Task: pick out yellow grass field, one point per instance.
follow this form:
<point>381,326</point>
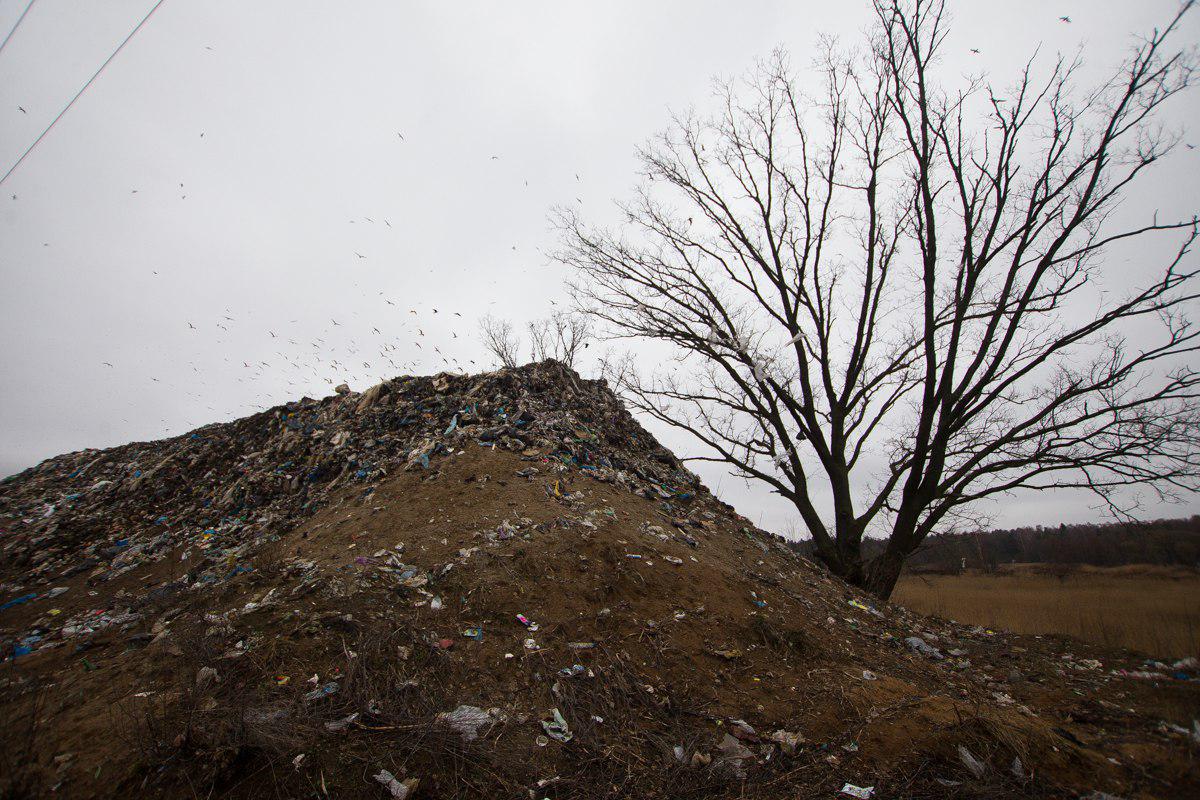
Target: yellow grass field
<point>1154,610</point>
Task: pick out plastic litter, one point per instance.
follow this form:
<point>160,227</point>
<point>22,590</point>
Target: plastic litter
<point>861,792</point>
<point>343,723</point>
<point>734,755</point>
<point>788,741</point>
<point>205,677</point>
<point>556,728</point>
<point>400,790</point>
<point>864,607</point>
<point>322,691</point>
<point>466,721</point>
<point>922,647</point>
<point>16,601</point>
<point>973,765</point>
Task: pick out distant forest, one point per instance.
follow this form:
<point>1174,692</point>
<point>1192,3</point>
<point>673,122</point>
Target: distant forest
<point>1169,542</point>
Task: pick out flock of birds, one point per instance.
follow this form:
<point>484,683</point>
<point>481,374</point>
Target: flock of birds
<point>308,353</point>
<point>306,356</point>
<point>302,360</point>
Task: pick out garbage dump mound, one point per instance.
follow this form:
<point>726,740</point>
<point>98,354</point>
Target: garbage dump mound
<point>502,586</point>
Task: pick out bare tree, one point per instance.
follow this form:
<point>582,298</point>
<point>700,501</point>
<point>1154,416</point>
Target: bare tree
<point>897,300</point>
<point>500,340</point>
<point>562,337</point>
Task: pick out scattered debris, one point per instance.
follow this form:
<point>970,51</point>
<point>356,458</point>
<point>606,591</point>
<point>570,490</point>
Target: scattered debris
<point>788,741</point>
<point>974,766</point>
<point>556,727</point>
<point>322,691</point>
<point>205,677</point>
<point>400,790</point>
<point>921,647</point>
<point>283,526</point>
<point>734,755</point>
<point>343,723</point>
<point>466,721</point>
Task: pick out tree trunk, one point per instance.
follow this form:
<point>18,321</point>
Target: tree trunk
<point>880,576</point>
<point>877,576</point>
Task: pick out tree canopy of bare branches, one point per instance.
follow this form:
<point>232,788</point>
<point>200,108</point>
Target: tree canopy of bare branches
<point>899,300</point>
<point>501,340</point>
<point>562,337</point>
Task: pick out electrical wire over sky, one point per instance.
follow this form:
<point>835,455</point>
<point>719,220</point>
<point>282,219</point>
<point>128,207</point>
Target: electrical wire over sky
<point>78,94</point>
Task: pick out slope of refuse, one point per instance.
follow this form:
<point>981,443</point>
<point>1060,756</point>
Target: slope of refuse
<point>501,585</point>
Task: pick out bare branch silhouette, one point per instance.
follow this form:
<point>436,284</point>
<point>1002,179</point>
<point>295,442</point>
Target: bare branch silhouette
<point>904,296</point>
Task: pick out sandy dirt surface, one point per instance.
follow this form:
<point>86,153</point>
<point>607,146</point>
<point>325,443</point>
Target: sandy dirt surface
<point>504,623</point>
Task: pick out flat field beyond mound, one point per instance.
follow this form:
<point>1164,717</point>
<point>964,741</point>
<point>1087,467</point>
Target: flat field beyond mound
<point>1155,610</point>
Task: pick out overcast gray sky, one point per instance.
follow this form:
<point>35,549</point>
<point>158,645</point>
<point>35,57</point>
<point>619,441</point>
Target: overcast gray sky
<point>259,170</point>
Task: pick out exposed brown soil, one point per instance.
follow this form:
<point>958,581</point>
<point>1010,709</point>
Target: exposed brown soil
<point>671,656</point>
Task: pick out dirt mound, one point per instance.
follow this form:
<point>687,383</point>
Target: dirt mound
<point>502,586</point>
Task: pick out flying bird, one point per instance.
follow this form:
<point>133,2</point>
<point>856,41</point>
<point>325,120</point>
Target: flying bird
<point>1065,19</point>
<point>23,111</point>
<point>360,255</point>
<point>105,363</point>
<point>190,325</point>
<point>975,50</point>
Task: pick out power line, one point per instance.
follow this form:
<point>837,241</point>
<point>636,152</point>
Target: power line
<point>14,27</point>
<point>91,80</point>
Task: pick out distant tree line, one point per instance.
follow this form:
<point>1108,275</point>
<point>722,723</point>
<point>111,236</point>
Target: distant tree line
<point>1167,542</point>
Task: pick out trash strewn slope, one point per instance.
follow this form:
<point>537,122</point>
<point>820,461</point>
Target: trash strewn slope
<point>501,585</point>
